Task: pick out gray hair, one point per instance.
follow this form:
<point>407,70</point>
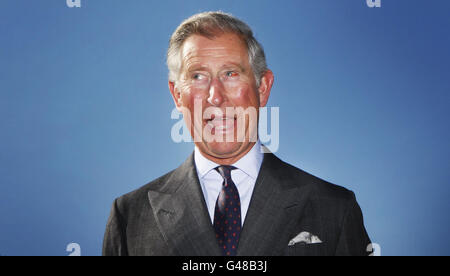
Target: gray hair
<point>210,24</point>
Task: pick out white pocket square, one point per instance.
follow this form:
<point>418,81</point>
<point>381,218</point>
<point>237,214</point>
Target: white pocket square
<point>305,237</point>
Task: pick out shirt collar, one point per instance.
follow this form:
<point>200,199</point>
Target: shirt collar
<point>249,163</point>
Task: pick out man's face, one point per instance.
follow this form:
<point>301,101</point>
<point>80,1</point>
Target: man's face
<point>216,78</point>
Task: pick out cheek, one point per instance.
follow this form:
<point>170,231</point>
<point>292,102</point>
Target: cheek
<point>244,95</point>
<point>190,96</point>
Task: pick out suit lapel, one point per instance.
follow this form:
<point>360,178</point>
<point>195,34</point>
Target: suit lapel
<point>181,214</point>
<point>275,209</point>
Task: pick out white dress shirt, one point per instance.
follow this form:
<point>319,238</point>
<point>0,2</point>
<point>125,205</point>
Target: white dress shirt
<point>244,178</point>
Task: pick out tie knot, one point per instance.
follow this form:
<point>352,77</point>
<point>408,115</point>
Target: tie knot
<point>225,171</point>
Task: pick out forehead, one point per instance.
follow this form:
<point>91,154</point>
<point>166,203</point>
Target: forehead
<point>226,47</point>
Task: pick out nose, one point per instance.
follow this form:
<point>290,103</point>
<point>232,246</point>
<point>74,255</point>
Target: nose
<point>216,95</point>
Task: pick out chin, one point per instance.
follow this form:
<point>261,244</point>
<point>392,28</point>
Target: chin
<point>224,149</point>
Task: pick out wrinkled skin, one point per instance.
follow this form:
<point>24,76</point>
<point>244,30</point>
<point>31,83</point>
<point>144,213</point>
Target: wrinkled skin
<point>216,74</point>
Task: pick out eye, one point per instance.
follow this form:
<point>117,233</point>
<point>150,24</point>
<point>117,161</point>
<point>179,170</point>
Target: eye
<point>198,76</point>
<point>232,74</point>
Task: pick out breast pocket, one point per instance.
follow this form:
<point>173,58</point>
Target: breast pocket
<point>303,249</point>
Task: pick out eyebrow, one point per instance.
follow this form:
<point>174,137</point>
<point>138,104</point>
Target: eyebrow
<point>196,67</point>
<point>203,67</point>
<point>234,64</point>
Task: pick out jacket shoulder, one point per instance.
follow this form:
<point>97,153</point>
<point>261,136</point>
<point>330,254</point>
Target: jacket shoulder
<point>320,188</point>
<point>138,198</point>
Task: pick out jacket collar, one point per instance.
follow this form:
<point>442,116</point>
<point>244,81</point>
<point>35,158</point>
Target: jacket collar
<point>276,205</point>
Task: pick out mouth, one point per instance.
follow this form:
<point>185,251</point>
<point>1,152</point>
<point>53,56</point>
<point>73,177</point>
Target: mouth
<point>221,124</point>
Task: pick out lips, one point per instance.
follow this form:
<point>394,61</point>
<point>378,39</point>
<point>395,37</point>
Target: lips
<point>221,124</point>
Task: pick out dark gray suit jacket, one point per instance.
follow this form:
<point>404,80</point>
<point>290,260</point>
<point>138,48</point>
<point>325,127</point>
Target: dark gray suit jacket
<point>168,216</point>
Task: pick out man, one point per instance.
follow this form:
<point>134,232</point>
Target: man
<point>229,197</point>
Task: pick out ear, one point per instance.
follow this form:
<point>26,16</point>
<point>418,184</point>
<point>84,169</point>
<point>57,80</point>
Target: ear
<point>176,95</point>
<point>264,87</point>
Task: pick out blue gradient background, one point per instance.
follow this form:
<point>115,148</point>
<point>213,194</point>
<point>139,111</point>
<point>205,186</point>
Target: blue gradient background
<point>363,93</point>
